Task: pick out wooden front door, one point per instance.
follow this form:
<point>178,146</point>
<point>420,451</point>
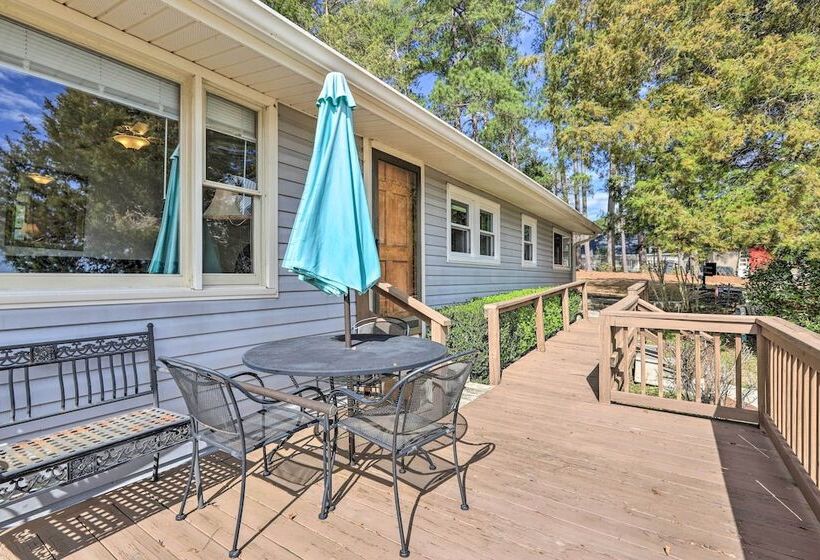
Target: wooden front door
<point>397,186</point>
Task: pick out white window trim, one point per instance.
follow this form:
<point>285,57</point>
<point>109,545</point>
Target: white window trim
<point>475,203</point>
<point>533,223</point>
<point>567,266</point>
<point>56,290</point>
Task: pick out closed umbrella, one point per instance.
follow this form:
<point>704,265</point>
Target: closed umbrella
<point>331,244</point>
<point>165,259</point>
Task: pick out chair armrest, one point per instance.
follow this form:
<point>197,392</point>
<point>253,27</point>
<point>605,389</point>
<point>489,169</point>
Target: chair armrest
<point>310,404</point>
<point>250,374</point>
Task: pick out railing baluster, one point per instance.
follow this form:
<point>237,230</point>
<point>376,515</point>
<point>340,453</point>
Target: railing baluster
<point>136,373</point>
<point>62,385</point>
<point>717,367</point>
<point>88,380</point>
<point>643,360</point>
<point>113,376</point>
<point>124,373</point>
<point>698,367</point>
<point>814,426</point>
<point>100,373</point>
<point>678,380</point>
<point>660,363</point>
<point>27,377</point>
<point>739,374</point>
<point>12,405</point>
<point>76,383</point>
<point>804,407</point>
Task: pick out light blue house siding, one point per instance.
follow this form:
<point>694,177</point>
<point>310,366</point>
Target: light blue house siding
<point>448,282</point>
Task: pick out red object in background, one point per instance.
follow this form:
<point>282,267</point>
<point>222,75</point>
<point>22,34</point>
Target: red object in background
<point>759,257</point>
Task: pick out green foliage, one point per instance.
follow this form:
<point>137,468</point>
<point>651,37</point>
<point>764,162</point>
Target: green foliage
<point>789,287</point>
<point>469,329</point>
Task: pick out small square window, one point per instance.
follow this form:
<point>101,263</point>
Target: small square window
<point>460,241</point>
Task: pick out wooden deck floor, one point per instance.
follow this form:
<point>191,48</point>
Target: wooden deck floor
<point>552,474</point>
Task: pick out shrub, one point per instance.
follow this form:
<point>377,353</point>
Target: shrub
<point>788,287</point>
<point>469,328</point>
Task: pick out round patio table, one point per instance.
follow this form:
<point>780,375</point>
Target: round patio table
<point>326,355</point>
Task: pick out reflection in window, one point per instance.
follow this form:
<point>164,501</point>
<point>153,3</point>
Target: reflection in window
<point>459,227</point>
<point>230,189</point>
<point>486,234</point>
<point>82,178</point>
<point>561,250</point>
<point>529,240</point>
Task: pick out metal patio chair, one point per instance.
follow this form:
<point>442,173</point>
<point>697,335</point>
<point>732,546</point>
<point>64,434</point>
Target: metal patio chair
<point>218,420</point>
<point>391,326</point>
<point>418,410</point>
<point>388,326</point>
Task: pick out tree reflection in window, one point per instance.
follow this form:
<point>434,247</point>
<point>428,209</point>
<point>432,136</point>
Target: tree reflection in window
<point>75,200</point>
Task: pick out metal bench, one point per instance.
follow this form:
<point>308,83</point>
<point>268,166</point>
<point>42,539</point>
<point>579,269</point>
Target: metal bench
<point>112,379</point>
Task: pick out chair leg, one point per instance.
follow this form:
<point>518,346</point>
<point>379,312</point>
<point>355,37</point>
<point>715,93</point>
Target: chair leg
<point>404,552</point>
<point>155,477</point>
<point>181,515</point>
<point>461,483</point>
<point>200,500</point>
<point>266,465</point>
<point>327,463</point>
<point>235,551</point>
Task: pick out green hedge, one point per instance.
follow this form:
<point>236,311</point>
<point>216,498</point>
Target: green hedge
<point>469,328</point>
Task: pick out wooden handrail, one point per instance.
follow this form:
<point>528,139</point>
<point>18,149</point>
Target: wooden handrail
<point>493,311</point>
<point>438,323</point>
<point>788,375</point>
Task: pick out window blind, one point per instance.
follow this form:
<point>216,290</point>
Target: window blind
<point>36,53</point>
<point>229,118</point>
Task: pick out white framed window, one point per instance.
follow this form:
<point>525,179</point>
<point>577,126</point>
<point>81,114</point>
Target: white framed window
<point>88,169</point>
<point>230,194</point>
<point>561,249</point>
<point>112,175</point>
<point>529,240</point>
<point>473,228</point>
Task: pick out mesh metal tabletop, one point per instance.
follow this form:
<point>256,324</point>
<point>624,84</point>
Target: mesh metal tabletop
<point>326,355</point>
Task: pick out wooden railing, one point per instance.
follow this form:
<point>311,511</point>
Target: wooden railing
<point>761,370</point>
<point>789,365</point>
<point>438,324</point>
<point>493,313</point>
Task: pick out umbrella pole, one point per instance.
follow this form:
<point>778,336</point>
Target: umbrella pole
<point>347,318</point>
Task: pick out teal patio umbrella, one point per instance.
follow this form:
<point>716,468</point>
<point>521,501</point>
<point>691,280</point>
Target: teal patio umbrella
<point>331,244</point>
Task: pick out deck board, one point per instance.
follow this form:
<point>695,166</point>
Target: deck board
<point>551,474</point>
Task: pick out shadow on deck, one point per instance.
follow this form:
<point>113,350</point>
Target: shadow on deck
<point>551,474</point>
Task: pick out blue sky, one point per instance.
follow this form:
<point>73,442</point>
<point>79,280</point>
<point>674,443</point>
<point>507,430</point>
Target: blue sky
<point>22,96</point>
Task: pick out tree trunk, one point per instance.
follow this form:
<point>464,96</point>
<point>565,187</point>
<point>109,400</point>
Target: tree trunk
<point>610,220</point>
<point>624,263</point>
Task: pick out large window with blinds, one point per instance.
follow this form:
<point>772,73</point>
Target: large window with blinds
<point>89,161</point>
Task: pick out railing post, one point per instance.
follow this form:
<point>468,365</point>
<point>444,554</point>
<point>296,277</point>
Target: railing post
<point>585,300</point>
<point>762,374</point>
<point>565,308</point>
<point>604,362</point>
<point>438,333</point>
<point>539,324</point>
<point>494,340</point>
